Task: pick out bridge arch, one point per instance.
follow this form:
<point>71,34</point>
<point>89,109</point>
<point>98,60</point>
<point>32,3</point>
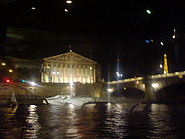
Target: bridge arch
<point>172,93</point>
<point>130,92</point>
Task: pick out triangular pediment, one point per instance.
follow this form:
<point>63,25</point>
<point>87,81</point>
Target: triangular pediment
<point>70,56</point>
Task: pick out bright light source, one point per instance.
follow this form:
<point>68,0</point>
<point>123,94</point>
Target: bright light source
<point>137,82</point>
<point>155,85</point>
<point>32,83</point>
<point>33,8</point>
<point>152,40</point>
<point>66,10</point>
<point>174,30</point>
<point>54,73</point>
<point>121,75</point>
<point>23,81</point>
<point>148,11</point>
<point>57,72</point>
<point>90,68</point>
<point>68,1</point>
<point>173,36</point>
<point>110,90</point>
<point>8,80</point>
<point>180,76</point>
<point>161,43</point>
<point>125,88</point>
<point>161,66</point>
<point>10,70</point>
<point>3,64</point>
<point>71,83</point>
<point>48,67</point>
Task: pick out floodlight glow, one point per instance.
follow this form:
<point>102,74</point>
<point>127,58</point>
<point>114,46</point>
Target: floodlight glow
<point>71,83</point>
<point>32,83</point>
<point>3,64</point>
<point>110,90</point>
<point>155,85</point>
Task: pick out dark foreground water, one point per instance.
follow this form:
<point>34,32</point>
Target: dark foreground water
<point>102,121</point>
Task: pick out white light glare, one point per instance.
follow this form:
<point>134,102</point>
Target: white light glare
<point>32,83</point>
<point>57,72</point>
<point>68,1</point>
<point>71,83</point>
<point>161,66</point>
<point>173,36</point>
<point>110,90</point>
<point>119,75</point>
<point>155,85</point>
<point>54,73</point>
<point>33,8</point>
<point>66,10</point>
<point>162,43</point>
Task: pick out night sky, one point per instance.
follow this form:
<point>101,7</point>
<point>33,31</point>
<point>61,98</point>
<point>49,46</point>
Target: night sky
<point>103,30</point>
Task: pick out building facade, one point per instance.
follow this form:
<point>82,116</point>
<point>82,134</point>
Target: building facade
<point>69,68</point>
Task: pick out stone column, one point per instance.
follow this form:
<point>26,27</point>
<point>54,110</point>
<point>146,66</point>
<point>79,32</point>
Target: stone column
<point>149,93</point>
<point>94,80</point>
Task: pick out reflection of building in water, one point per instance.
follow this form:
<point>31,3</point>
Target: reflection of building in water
<point>68,68</point>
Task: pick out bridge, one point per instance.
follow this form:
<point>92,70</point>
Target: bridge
<point>149,84</point>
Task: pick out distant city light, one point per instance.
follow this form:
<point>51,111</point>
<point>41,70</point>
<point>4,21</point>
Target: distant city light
<point>137,82</point>
<point>174,30</point>
<point>33,8</point>
<point>3,64</point>
<point>152,40</point>
<point>148,11</point>
<point>68,1</point>
<point>119,75</point>
<point>173,36</point>
<point>10,70</point>
<point>161,43</point>
<point>66,10</point>
<point>147,41</point>
<point>125,88</point>
<point>161,66</point>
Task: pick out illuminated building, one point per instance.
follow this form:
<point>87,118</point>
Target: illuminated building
<point>165,64</point>
<point>68,68</point>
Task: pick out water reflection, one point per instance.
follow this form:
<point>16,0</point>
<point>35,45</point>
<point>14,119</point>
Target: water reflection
<point>97,121</point>
<point>32,124</point>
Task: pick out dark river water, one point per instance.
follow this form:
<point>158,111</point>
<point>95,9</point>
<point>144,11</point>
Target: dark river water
<point>101,121</point>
